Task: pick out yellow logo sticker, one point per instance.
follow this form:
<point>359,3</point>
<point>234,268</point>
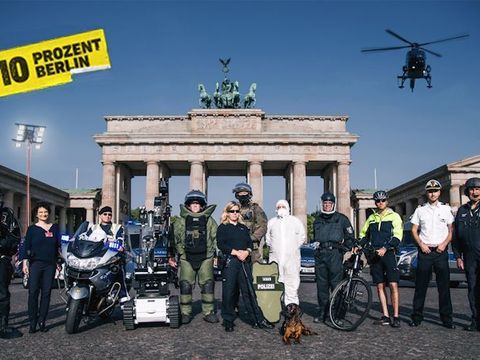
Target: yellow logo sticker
<point>52,62</point>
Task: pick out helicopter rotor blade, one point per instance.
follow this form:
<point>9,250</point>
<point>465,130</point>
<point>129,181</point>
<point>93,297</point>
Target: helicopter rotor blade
<point>398,36</point>
<point>431,52</point>
<point>385,48</point>
<point>447,39</point>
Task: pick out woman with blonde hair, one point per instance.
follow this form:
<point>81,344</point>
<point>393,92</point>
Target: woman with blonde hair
<point>233,239</point>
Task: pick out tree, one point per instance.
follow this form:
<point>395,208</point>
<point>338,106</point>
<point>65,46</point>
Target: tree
<point>135,214</point>
<point>310,219</point>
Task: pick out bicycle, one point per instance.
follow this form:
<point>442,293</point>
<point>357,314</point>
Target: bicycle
<point>351,299</point>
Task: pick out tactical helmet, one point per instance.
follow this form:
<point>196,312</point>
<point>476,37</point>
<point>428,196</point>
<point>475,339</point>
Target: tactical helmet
<point>328,196</point>
<point>195,195</point>
<point>471,183</point>
<point>433,185</point>
<point>380,195</point>
<point>242,187</point>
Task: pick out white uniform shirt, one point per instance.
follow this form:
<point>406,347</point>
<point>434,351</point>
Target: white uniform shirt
<point>433,222</point>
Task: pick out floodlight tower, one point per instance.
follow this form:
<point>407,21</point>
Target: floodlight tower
<point>30,134</point>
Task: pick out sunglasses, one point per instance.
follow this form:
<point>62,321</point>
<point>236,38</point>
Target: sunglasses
<point>107,214</point>
<point>432,191</point>
<point>381,200</point>
<point>234,211</point>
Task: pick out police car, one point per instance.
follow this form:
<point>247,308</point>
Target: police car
<point>307,263</point>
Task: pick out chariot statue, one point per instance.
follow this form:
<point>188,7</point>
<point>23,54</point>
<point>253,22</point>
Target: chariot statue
<point>227,94</point>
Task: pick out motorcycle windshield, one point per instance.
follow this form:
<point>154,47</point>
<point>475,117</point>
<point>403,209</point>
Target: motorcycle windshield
<point>86,249</point>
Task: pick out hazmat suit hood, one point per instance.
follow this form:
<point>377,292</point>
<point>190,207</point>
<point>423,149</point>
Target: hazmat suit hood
<point>282,212</point>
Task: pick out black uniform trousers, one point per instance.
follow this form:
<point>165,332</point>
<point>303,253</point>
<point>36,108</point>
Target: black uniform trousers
<point>472,272</point>
<point>235,280</point>
<point>439,263</point>
<point>39,283</point>
<point>5,278</point>
<point>328,274</point>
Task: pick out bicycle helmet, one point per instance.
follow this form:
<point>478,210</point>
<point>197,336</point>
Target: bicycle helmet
<point>380,195</point>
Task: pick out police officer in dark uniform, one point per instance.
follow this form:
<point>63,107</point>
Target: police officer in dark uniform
<point>9,240</point>
<point>333,236</point>
<point>253,217</point>
<point>466,246</point>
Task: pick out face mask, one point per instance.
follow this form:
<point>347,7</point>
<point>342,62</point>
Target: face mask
<point>282,212</point>
<point>244,199</point>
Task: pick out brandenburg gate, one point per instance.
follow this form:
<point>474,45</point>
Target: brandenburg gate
<point>219,142</point>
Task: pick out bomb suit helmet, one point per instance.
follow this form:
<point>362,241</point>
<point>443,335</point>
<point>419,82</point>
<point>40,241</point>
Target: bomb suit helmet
<point>195,195</point>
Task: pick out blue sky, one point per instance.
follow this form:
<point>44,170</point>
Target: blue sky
<point>304,56</point>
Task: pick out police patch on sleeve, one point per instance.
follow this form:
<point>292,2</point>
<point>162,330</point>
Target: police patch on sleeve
<point>350,230</point>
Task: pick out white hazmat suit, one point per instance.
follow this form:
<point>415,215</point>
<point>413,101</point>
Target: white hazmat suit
<point>285,235</point>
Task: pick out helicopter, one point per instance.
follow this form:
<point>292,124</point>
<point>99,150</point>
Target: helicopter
<point>415,66</point>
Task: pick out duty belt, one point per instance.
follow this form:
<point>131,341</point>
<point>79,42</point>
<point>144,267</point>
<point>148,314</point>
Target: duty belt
<point>328,245</point>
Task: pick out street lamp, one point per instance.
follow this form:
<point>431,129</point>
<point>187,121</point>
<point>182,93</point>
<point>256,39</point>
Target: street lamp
<point>31,134</point>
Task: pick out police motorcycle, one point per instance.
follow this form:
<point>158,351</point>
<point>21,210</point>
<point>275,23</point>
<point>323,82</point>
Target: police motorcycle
<point>92,277</point>
<point>152,274</point>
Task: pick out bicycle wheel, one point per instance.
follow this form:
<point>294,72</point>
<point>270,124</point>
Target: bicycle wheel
<point>350,303</point>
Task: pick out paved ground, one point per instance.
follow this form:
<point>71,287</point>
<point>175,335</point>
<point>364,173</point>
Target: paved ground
<point>200,340</point>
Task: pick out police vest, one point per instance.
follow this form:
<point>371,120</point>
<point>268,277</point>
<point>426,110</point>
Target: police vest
<point>196,239</point>
<point>328,229</point>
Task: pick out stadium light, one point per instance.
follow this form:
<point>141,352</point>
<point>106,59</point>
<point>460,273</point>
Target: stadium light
<point>29,134</point>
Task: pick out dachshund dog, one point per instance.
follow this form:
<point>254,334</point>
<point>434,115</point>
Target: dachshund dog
<point>292,327</point>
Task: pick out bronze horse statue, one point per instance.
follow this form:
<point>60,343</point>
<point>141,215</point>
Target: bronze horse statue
<point>249,99</point>
<point>205,99</point>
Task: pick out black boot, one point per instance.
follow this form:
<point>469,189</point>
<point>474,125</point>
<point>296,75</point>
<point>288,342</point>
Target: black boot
<point>228,325</point>
<point>472,326</point>
<point>7,332</point>
<point>41,326</point>
<point>264,324</point>
<point>33,326</point>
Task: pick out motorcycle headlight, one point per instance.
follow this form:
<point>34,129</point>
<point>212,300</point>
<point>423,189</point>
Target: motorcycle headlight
<point>83,264</point>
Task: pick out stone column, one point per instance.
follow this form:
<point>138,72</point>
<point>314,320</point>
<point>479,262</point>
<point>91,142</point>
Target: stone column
<point>70,222</point>
<point>151,187</point>
<point>300,191</point>
<point>196,175</point>
<point>62,220</point>
<point>362,217</point>
<point>8,198</point>
<point>398,209</point>
<point>108,186</point>
<point>455,198</point>
<point>90,217</point>
<point>343,188</point>
<point>255,179</point>
<point>288,175</point>
<point>51,214</point>
<point>408,208</point>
